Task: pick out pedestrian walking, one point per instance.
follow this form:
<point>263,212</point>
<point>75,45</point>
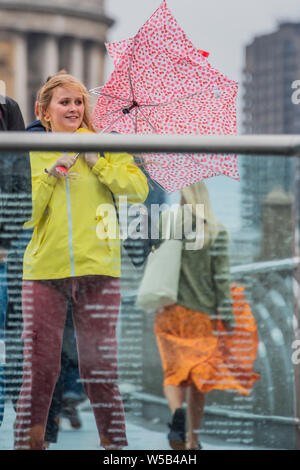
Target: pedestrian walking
<point>197,336</point>
<point>65,260</point>
<point>15,208</point>
<point>14,322</point>
<point>68,392</point>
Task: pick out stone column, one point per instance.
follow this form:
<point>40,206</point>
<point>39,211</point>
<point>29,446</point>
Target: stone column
<point>21,74</point>
<point>95,64</point>
<point>77,59</point>
<point>50,57</point>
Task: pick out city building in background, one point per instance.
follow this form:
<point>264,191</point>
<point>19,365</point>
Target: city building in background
<point>272,64</point>
<point>38,38</point>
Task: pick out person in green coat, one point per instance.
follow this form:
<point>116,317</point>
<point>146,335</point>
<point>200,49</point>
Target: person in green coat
<point>191,333</point>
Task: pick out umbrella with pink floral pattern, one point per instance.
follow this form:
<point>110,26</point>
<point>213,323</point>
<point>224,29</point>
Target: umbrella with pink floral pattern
<point>162,84</point>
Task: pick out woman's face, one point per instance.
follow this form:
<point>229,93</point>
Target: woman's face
<point>66,109</point>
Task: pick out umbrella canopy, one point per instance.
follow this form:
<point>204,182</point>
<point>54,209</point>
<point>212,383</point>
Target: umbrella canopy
<point>162,84</point>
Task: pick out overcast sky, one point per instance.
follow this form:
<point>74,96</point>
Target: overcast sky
<point>221,27</point>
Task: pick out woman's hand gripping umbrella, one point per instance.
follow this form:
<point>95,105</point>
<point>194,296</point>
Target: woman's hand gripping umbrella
<point>62,170</point>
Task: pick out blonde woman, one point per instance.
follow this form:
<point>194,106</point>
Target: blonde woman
<point>66,260</point>
<point>190,334</point>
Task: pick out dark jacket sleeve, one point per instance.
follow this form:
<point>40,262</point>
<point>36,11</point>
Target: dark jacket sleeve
<point>15,197</point>
<point>15,182</point>
<point>15,118</point>
<point>11,118</point>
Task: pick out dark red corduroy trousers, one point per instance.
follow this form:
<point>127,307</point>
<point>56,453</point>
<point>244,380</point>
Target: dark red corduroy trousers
<point>96,303</point>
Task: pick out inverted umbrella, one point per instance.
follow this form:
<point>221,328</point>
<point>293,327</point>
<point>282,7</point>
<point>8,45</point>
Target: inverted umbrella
<point>162,84</point>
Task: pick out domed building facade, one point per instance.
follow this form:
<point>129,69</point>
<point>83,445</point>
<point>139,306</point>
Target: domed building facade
<point>38,38</point>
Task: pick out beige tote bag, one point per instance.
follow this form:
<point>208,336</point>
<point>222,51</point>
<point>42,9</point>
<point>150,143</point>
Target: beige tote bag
<point>159,284</point>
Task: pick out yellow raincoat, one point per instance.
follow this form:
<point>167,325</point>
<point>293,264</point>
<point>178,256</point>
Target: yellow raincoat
<point>65,240</point>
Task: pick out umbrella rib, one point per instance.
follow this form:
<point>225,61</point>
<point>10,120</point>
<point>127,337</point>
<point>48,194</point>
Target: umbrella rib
<point>170,102</point>
<point>95,90</point>
<point>99,93</point>
<point>147,120</point>
<point>114,97</point>
<point>131,85</point>
<point>129,69</point>
<point>176,100</point>
<point>135,121</point>
<point>109,114</point>
<point>111,124</point>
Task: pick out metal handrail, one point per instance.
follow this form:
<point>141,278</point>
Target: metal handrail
<point>266,266</point>
<point>276,145</point>
<point>218,411</point>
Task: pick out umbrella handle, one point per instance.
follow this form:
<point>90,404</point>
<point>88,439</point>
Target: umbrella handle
<point>62,170</point>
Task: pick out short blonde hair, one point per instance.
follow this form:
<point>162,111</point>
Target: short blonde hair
<point>63,79</point>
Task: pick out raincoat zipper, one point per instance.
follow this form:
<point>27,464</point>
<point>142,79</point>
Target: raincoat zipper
<point>71,252</point>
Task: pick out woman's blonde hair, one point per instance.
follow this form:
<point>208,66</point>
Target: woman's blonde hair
<point>63,79</point>
<point>197,193</point>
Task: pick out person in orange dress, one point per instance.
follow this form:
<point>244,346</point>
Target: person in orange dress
<point>202,338</point>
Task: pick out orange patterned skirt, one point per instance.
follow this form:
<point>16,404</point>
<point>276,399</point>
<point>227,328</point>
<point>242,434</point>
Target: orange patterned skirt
<point>195,348</point>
